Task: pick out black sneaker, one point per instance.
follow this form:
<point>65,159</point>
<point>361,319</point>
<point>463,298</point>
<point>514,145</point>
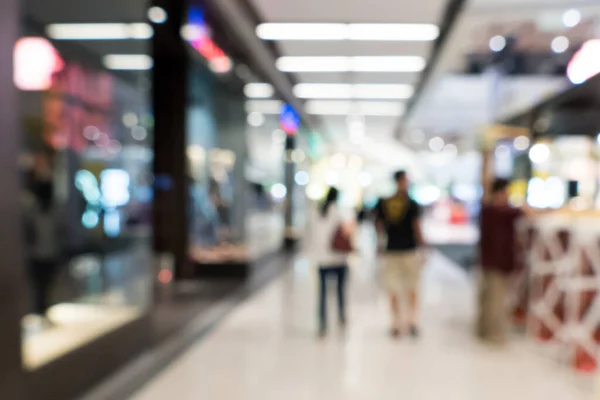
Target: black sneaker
<point>414,332</point>
<point>395,333</point>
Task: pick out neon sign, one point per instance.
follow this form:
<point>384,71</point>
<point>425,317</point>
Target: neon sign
<point>35,63</point>
<point>197,33</point>
<point>289,120</point>
<point>585,63</point>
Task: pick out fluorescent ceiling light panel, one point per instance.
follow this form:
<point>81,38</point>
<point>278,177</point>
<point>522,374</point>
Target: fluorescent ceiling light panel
<point>394,32</point>
<point>356,91</point>
<point>131,62</point>
<point>314,64</point>
<point>258,90</point>
<point>264,106</point>
<point>345,108</point>
<point>352,64</point>
<point>326,31</point>
<point>109,31</point>
<point>300,31</point>
<point>383,91</point>
<point>323,91</point>
<point>388,64</point>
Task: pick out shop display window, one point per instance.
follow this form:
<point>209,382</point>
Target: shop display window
<point>86,164</point>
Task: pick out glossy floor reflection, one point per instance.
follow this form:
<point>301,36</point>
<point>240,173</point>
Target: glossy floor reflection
<point>266,349</point>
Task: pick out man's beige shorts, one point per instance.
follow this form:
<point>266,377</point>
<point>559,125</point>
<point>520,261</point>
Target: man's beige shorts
<point>402,270</point>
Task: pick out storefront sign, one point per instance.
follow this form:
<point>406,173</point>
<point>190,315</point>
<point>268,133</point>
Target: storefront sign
<point>289,120</point>
<point>35,63</point>
<point>78,98</point>
<point>585,63</point>
<point>197,34</point>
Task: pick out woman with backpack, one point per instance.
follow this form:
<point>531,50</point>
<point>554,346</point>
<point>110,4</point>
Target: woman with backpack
<point>332,235</point>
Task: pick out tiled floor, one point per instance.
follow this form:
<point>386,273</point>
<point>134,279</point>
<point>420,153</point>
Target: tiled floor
<point>267,349</point>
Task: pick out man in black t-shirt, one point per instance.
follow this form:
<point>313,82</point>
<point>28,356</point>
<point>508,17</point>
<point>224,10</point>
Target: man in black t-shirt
<point>399,218</point>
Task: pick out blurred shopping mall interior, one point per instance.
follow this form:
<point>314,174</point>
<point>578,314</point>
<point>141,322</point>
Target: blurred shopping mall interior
<point>162,162</point>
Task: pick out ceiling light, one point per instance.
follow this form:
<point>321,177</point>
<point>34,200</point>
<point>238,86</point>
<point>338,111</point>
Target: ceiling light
<point>157,15</point>
<point>571,18</point>
<point>388,64</point>
<point>560,44</point>
<point>258,90</point>
<point>380,108</point>
<point>109,31</point>
<point>300,31</point>
<point>497,43</point>
<point>521,143</point>
<point>369,108</point>
<point>436,144</point>
<point>314,64</point>
<point>335,31</point>
<point>323,91</point>
<point>394,32</point>
<point>352,64</point>
<point>382,91</point>
<point>128,62</point>
<point>256,119</point>
<point>539,153</point>
<point>264,106</point>
<point>348,91</point>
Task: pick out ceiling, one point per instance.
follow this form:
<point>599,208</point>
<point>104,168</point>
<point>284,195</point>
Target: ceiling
<point>451,104</point>
<point>456,104</point>
<point>377,129</point>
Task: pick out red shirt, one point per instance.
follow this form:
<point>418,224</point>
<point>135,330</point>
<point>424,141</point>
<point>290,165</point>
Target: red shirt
<point>497,242</point>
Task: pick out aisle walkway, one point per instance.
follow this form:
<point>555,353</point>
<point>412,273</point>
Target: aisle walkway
<point>267,350</point>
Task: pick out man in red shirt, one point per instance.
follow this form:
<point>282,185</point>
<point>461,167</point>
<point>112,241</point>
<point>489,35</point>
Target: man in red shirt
<point>497,258</point>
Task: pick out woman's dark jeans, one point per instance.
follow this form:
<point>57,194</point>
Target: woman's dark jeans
<point>340,273</point>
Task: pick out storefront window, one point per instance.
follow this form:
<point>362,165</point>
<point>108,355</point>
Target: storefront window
<point>216,234</point>
<point>87,192</point>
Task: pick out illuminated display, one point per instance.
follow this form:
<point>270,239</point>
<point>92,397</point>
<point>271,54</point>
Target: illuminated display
<point>197,34</point>
<point>35,62</point>
<point>115,187</point>
<point>289,120</point>
<point>585,63</point>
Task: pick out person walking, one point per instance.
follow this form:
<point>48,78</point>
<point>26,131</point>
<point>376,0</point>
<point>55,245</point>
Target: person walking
<point>398,217</point>
<point>329,222</point>
<point>496,252</point>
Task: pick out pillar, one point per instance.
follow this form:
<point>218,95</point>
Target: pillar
<point>171,194</point>
<point>289,173</point>
<point>12,284</point>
